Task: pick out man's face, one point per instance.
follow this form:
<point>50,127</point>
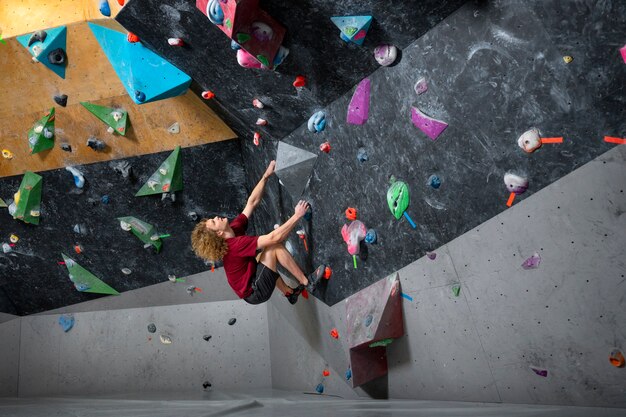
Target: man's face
<point>217,224</point>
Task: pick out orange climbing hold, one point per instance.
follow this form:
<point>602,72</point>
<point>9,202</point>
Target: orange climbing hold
<point>300,81</point>
<point>121,2</point>
<point>351,213</point>
<point>334,333</point>
<point>617,359</point>
<point>132,38</point>
<point>208,95</point>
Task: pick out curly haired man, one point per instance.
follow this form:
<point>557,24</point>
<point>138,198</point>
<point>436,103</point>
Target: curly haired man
<point>253,276</point>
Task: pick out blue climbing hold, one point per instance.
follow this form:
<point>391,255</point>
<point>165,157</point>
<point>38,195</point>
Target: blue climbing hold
<point>105,199</point>
<point>371,237</point>
<point>281,54</point>
<point>368,320</point>
<point>348,374</point>
<point>105,9</point>
<point>215,12</point>
<point>308,215</point>
<point>82,287</point>
<point>140,96</point>
<point>361,155</point>
<point>434,181</point>
<point>319,388</point>
<point>234,46</point>
<point>66,322</point>
<point>317,122</point>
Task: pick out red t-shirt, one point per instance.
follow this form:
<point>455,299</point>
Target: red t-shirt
<point>239,261</point>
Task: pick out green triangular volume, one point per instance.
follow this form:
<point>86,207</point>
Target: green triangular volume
<point>41,135</point>
<point>167,179</point>
<point>85,281</point>
<point>116,119</point>
<point>144,231</point>
<point>27,201</point>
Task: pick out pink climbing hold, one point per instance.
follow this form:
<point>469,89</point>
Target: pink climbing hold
<point>623,52</point>
<point>532,262</point>
<point>359,107</point>
<point>432,127</point>
<point>539,371</point>
<point>353,235</point>
<point>248,61</point>
<point>175,42</point>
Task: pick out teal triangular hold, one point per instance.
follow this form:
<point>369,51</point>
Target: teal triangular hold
<point>353,28</point>
<point>56,38</point>
<point>139,68</point>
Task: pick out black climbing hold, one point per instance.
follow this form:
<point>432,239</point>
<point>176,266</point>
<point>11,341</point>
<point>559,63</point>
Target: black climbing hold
<point>206,337</point>
<point>66,147</point>
<point>57,56</point>
<point>206,384</point>
<point>232,321</point>
<point>96,144</point>
<point>61,100</point>
<point>140,96</point>
<point>38,36</point>
<point>152,328</point>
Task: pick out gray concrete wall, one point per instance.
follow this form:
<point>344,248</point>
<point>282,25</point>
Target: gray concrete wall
<point>565,316</point>
<point>6,317</point>
<point>9,357</point>
<point>112,352</point>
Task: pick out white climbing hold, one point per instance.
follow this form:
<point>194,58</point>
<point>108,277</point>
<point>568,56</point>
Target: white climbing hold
<point>530,140</point>
<point>174,128</point>
<point>166,340</point>
<point>125,226</point>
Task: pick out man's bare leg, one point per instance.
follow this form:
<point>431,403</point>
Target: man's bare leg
<point>283,287</point>
<point>279,254</point>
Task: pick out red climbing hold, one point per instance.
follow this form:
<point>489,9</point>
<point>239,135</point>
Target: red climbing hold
<point>300,81</point>
<point>121,2</point>
<point>351,213</point>
<point>334,333</point>
<point>325,147</point>
<point>327,272</point>
<point>305,294</point>
<point>326,372</point>
<point>132,38</point>
<point>257,137</point>
<point>208,95</point>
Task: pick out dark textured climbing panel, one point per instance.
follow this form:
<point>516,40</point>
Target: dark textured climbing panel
<point>31,280</point>
<point>493,71</point>
<point>331,66</point>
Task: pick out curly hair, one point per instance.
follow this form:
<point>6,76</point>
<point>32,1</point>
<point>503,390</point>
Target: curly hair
<point>207,244</point>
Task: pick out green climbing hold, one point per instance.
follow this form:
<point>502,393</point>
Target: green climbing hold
<point>350,30</point>
<point>2,203</point>
<point>242,38</point>
<point>27,201</point>
<point>228,24</point>
<point>167,179</point>
<point>383,342</point>
<point>41,135</point>
<point>146,232</point>
<point>116,119</point>
<point>263,60</point>
<point>398,198</point>
<point>456,289</point>
<point>85,281</point>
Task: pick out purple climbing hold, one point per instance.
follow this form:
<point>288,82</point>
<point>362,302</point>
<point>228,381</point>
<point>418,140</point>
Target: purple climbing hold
<point>432,127</point>
<point>359,107</point>
<point>431,255</point>
<point>539,371</point>
<point>532,262</point>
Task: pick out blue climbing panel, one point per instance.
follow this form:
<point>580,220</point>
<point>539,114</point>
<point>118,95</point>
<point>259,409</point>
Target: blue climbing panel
<point>56,38</point>
<point>353,28</point>
<point>139,68</point>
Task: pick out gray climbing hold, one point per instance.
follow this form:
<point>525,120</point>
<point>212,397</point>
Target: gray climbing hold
<point>152,328</point>
<point>232,321</point>
<point>293,168</point>
<point>66,147</point>
<point>96,144</point>
<point>361,155</point>
<point>207,337</point>
<point>61,100</point>
<point>38,36</point>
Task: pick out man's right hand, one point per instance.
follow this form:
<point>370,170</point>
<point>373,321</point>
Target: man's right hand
<point>301,209</point>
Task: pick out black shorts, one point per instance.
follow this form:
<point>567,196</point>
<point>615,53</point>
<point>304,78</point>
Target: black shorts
<point>263,285</point>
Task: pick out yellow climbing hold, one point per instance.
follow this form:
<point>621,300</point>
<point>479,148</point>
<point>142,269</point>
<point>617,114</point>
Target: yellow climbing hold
<point>7,154</point>
<point>14,238</point>
<point>567,59</point>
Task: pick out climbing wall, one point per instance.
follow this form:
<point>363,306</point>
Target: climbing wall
<point>10,353</point>
<point>482,342</point>
<point>493,71</point>
<point>31,276</point>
